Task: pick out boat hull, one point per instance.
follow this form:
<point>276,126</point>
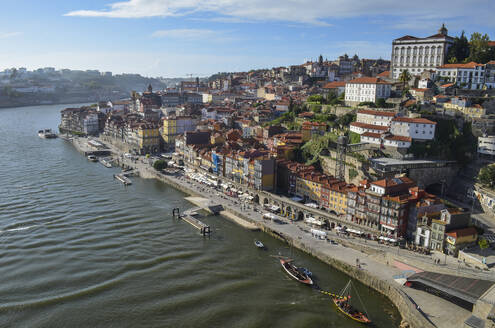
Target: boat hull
<point>291,271</point>
<point>361,318</point>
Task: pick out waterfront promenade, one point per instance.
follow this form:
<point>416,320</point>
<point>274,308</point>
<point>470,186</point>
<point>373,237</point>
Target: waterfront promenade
<point>418,308</point>
<point>423,308</point>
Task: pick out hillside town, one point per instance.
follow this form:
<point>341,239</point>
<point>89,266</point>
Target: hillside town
<point>398,150</point>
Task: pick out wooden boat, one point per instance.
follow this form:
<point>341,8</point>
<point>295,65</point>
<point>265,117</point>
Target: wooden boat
<point>259,244</point>
<point>343,303</point>
<point>299,274</point>
<point>92,158</point>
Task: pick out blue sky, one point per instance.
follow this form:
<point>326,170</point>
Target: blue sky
<point>173,38</point>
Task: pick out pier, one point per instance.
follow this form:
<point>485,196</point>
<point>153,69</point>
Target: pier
<point>188,216</point>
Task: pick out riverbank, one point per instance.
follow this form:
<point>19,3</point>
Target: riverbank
<point>372,271</point>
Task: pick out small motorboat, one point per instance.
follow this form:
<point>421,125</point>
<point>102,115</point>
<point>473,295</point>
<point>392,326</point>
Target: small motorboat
<point>259,244</point>
<point>299,274</point>
<point>92,158</point>
<point>343,303</point>
<point>46,134</point>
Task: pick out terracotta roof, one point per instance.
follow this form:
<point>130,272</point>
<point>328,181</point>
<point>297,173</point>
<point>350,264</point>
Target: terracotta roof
<point>467,65</point>
<point>418,120</point>
<point>369,126</point>
<point>376,112</point>
<point>368,80</point>
<point>384,74</point>
<point>390,182</point>
<point>406,37</point>
<point>462,232</point>
<point>333,85</point>
<point>420,89</point>
<point>398,138</point>
<point>491,62</point>
<point>438,35</point>
<point>410,102</point>
<point>491,43</point>
<point>447,85</point>
<point>371,135</point>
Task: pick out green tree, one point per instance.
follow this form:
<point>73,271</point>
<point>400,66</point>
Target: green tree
<point>160,165</point>
<point>315,98</point>
<point>405,77</point>
<point>354,137</point>
<point>479,50</point>
<point>487,176</point>
<point>459,50</point>
<point>380,103</point>
<point>483,243</point>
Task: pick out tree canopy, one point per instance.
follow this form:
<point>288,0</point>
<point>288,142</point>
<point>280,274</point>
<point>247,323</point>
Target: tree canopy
<point>486,176</point>
<point>459,51</point>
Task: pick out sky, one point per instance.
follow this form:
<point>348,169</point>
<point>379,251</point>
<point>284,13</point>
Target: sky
<point>178,38</point>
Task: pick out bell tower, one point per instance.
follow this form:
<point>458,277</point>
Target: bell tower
<point>443,30</point>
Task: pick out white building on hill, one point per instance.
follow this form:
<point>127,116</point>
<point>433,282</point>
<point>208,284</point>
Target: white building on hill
<point>468,76</point>
<point>366,89</point>
<point>415,128</point>
<point>419,54</point>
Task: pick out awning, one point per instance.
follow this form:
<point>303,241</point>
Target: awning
<point>388,227</point>
<point>354,231</point>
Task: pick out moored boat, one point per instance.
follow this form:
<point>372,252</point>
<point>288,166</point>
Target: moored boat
<point>259,244</point>
<point>343,303</point>
<point>47,134</point>
<point>105,162</point>
<point>299,274</point>
<point>92,158</point>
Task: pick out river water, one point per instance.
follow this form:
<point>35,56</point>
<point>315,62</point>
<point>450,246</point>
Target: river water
<point>78,249</point>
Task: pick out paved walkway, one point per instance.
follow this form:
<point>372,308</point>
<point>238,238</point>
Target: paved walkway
<point>439,311</point>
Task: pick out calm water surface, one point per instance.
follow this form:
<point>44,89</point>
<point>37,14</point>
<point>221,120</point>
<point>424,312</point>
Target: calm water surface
<point>80,250</point>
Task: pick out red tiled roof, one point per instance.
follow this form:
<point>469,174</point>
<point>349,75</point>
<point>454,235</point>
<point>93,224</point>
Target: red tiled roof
<point>371,135</point>
<point>368,80</point>
<point>418,120</point>
<point>369,126</point>
<point>491,43</point>
<point>392,182</point>
<point>420,89</point>
<point>376,112</point>
<point>462,232</point>
<point>467,65</point>
<point>407,37</point>
<point>447,85</point>
<point>398,138</point>
<point>333,85</point>
<point>384,74</point>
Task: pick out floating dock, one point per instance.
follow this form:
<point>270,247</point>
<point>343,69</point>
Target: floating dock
<point>189,217</point>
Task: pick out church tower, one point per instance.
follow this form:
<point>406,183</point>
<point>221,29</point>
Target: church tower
<point>443,30</point>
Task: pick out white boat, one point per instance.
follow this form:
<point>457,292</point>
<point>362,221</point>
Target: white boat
<point>259,244</point>
<point>105,163</point>
<point>47,134</point>
<point>92,158</point>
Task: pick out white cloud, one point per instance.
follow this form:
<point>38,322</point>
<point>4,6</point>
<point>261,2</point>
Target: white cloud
<point>184,33</point>
<point>303,11</point>
<point>7,35</point>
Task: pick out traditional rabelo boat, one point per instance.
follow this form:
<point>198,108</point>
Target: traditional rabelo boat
<point>300,274</point>
<point>343,303</point>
